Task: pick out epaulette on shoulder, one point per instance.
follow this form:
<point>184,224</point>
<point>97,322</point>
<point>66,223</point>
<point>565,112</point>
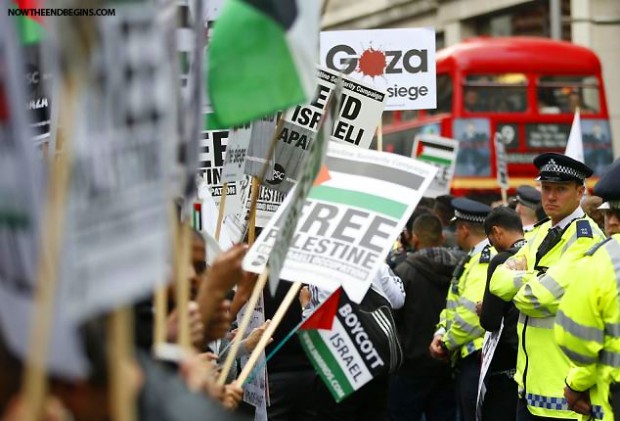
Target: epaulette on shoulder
<point>584,229</point>
<point>485,255</point>
<point>542,221</point>
<point>597,246</point>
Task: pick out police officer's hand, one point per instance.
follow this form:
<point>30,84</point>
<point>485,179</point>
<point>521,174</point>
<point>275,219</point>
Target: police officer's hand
<point>516,263</point>
<point>578,401</point>
<point>478,308</point>
<point>436,350</point>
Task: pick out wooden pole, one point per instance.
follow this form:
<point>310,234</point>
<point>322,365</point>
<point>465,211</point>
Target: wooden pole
<point>34,384</point>
<point>243,326</point>
<point>159,330</point>
<point>291,295</point>
<point>119,355</point>
<point>504,196</point>
<point>182,286</point>
<point>253,204</point>
<point>220,214</point>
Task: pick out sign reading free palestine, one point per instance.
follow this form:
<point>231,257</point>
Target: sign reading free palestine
<point>354,212</point>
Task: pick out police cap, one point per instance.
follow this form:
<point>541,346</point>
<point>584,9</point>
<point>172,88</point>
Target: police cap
<point>608,187</point>
<point>469,210</point>
<point>555,167</point>
<point>528,196</point>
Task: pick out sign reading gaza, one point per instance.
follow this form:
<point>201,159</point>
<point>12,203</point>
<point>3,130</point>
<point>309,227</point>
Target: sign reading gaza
<point>399,61</point>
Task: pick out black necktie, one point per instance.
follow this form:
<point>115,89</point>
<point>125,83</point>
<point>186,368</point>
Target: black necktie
<point>551,239</point>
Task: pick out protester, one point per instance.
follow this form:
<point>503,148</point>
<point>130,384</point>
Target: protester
<point>592,207</point>
<point>587,319</point>
<point>423,386</point>
<point>404,246</point>
<point>459,336</point>
<point>444,210</point>
<point>504,230</point>
<point>370,401</point>
<point>529,280</point>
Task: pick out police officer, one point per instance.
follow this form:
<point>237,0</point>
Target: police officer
<point>459,335</point>
<point>587,325</point>
<point>528,279</point>
<point>528,199</point>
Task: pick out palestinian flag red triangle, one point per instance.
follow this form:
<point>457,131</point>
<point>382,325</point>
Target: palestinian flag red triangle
<point>323,317</point>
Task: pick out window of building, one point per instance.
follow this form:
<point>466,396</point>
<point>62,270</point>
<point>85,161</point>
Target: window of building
<point>503,93</point>
<point>444,95</point>
<point>563,94</point>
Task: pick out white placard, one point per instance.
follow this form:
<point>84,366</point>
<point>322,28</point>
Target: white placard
<point>398,61</point>
<point>351,218</point>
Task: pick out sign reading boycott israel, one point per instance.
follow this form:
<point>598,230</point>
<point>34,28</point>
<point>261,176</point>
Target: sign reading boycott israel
<point>399,61</point>
<point>350,344</point>
<point>356,208</point>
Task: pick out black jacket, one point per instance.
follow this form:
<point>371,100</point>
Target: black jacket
<point>493,310</point>
<point>426,276</point>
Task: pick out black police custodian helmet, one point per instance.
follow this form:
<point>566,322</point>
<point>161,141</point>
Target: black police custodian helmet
<point>528,196</point>
<point>608,187</point>
<point>469,210</point>
<point>555,167</point>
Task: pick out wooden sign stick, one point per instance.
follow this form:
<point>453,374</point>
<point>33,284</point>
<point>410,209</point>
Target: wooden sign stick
<point>291,295</point>
<point>243,326</point>
<point>220,213</point>
<point>34,383</point>
<point>182,254</point>
<point>119,354</point>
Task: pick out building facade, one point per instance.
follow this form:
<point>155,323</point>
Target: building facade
<point>594,24</point>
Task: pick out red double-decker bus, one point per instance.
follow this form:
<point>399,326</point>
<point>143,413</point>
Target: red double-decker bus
<point>526,89</point>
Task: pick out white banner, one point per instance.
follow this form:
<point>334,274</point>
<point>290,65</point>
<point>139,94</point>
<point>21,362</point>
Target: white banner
<point>356,209</point>
<point>398,61</point>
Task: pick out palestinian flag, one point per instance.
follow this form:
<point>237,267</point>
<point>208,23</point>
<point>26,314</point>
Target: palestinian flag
<point>30,29</point>
<point>436,152</point>
<point>350,344</point>
<point>262,58</point>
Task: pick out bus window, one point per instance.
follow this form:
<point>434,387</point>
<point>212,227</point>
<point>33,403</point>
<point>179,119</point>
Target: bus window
<point>563,94</point>
<point>444,95</point>
<point>505,93</point>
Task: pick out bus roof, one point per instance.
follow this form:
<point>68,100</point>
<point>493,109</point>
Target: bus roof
<point>518,55</point>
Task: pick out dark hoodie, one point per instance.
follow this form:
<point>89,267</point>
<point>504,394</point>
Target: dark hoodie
<point>426,276</point>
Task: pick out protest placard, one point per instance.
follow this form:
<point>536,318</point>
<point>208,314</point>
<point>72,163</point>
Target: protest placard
<point>255,390</point>
<point>491,340</point>
<point>117,233</point>
<point>22,195</point>
<point>236,151</point>
<point>440,152</point>
<point>263,131</point>
<point>345,346</point>
<point>361,105</point>
<point>351,218</point>
<point>398,61</point>
<point>268,202</point>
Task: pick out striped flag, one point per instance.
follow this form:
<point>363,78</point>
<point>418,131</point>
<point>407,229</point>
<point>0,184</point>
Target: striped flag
<point>350,344</point>
<point>440,152</point>
<point>435,153</point>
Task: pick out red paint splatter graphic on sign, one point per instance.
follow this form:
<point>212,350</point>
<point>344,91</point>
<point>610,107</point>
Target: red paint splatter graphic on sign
<point>372,62</point>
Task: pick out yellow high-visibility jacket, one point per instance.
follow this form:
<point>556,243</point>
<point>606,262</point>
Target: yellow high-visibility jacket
<point>587,324</point>
<point>541,365</point>
<point>464,335</point>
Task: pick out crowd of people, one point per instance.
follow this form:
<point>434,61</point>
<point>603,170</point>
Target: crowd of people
<point>540,273</point>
